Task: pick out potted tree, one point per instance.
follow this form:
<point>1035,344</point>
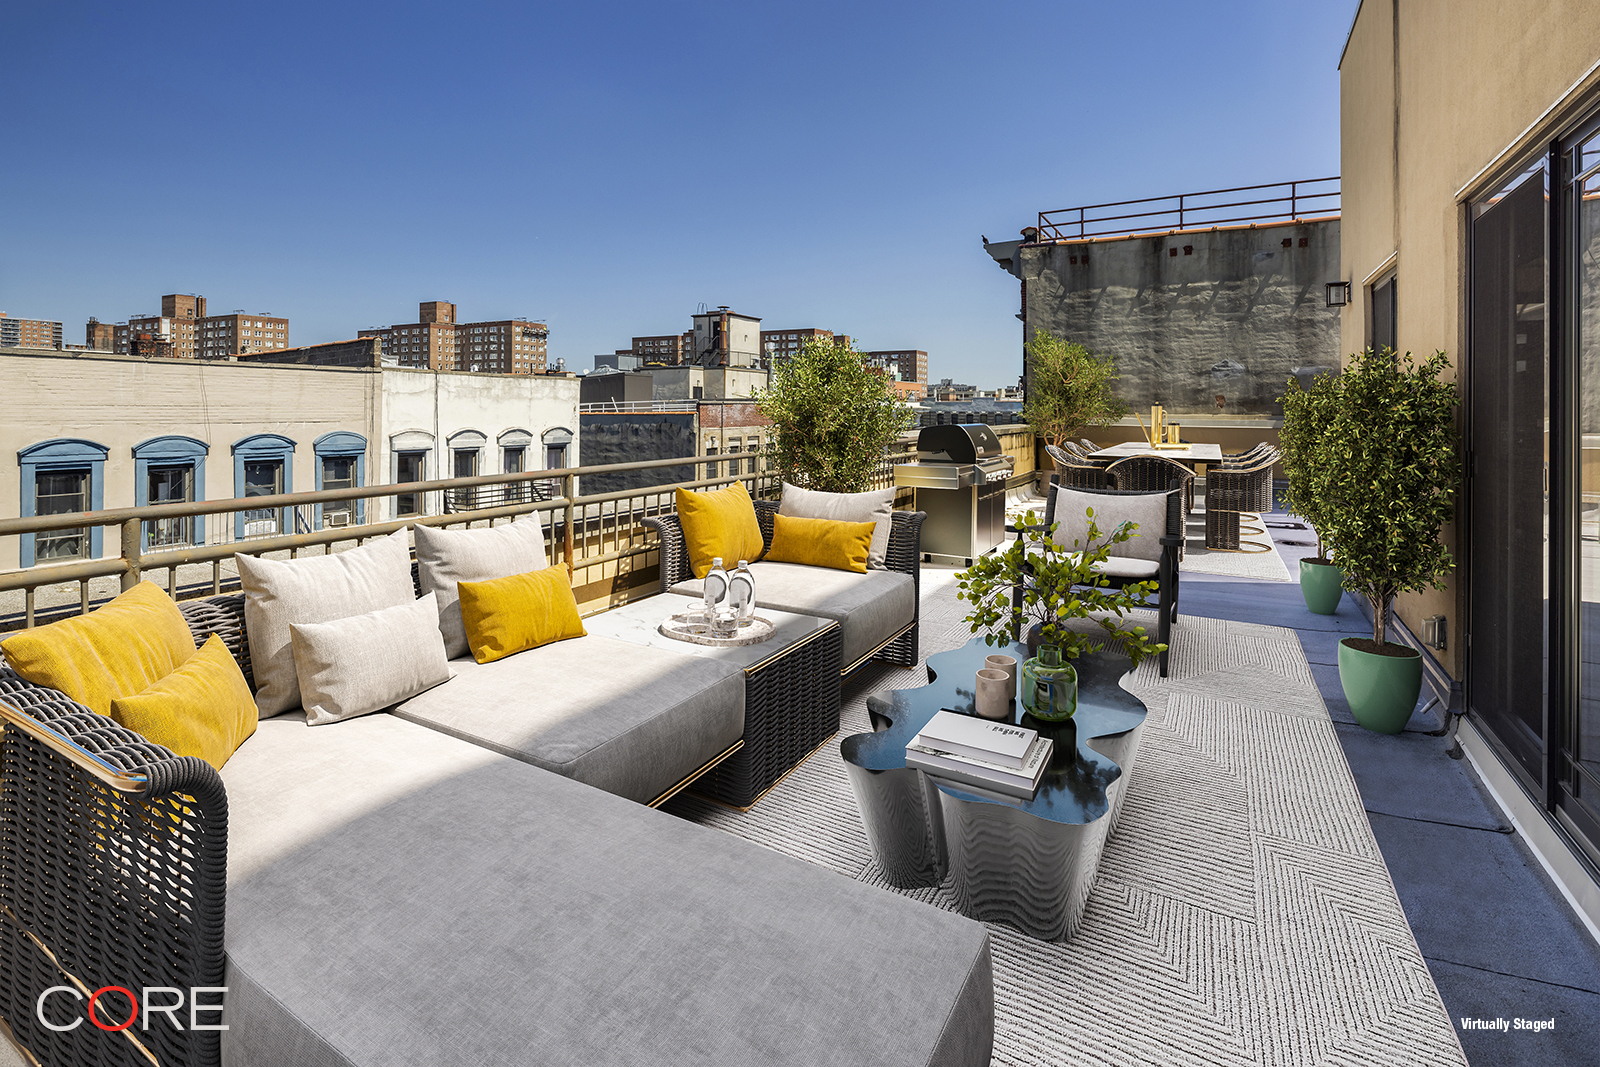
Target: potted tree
<point>833,417</point>
<point>1069,389</point>
<point>1392,476</point>
<point>1308,416</point>
<point>1056,584</point>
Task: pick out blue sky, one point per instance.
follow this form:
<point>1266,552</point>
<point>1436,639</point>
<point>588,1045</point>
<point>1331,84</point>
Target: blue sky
<point>608,168</point>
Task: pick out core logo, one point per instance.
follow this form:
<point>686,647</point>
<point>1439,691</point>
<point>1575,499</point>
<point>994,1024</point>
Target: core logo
<point>136,1006</point>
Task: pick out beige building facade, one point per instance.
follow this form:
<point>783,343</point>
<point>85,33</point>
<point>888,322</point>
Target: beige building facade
<point>1470,139</point>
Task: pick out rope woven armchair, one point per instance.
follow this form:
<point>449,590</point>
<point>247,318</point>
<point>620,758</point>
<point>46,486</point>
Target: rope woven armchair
<point>1076,469</point>
<point>1230,493</point>
<point>1152,474</point>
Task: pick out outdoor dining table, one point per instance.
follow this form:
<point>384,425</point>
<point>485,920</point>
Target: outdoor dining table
<point>1194,456</point>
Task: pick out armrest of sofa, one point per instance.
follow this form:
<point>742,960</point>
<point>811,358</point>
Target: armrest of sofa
<point>113,869</point>
<point>223,616</point>
<point>674,552</point>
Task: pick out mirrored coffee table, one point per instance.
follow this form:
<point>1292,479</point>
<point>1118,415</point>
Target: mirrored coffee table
<point>1027,863</point>
<point>791,689</point>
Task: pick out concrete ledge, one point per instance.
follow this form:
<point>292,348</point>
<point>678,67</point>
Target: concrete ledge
<point>1536,828</point>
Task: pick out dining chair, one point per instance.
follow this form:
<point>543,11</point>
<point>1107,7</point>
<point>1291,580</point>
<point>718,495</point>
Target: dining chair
<point>1075,471</point>
<point>1152,473</point>
<point>1230,494</point>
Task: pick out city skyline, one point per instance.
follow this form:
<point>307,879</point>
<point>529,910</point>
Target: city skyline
<point>301,176</point>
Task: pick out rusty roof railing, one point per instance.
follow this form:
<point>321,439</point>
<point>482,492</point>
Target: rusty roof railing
<point>1277,202</point>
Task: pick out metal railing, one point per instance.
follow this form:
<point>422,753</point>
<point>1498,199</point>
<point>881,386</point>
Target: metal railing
<point>1277,202</point>
<point>598,535</point>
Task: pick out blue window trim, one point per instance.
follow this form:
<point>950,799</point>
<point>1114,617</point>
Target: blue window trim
<point>62,454</point>
<point>254,449</point>
<point>342,443</point>
<point>172,450</point>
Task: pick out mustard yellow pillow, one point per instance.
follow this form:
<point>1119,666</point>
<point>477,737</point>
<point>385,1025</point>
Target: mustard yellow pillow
<point>720,523</point>
<point>204,708</point>
<point>507,615</point>
<point>821,542</point>
<point>117,650</point>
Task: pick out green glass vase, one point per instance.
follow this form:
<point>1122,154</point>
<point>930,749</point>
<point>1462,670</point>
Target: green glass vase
<point>1049,686</point>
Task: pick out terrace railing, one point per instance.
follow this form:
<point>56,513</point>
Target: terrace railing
<point>1278,202</point>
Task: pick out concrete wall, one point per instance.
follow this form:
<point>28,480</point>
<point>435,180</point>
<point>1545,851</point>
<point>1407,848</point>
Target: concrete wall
<point>635,438</point>
<point>715,383</point>
<point>1216,328</point>
<point>119,402</point>
<point>442,411</point>
<point>1419,139</point>
<point>615,388</point>
<point>360,352</point>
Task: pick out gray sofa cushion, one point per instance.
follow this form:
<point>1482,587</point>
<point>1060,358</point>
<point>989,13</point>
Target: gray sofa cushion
<point>629,719</point>
<point>875,506</point>
<point>870,608</point>
<point>446,557</point>
<point>1149,510</point>
<point>398,897</point>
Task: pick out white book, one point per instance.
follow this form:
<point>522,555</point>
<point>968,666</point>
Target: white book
<point>965,735</point>
<point>967,773</point>
<point>980,772</point>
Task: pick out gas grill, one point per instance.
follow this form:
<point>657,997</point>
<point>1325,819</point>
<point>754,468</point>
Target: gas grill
<point>960,478</point>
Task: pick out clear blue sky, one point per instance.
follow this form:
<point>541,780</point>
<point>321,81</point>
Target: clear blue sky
<point>609,167</point>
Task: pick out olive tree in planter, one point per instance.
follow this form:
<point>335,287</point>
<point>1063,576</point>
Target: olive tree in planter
<point>1069,389</point>
<point>1392,477</point>
<point>1308,416</point>
<point>833,417</point>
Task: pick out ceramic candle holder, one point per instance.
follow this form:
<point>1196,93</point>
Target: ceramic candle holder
<point>1007,664</point>
<point>993,698</point>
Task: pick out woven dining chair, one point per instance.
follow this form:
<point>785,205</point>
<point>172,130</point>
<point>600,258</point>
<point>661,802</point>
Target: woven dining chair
<point>1074,471</point>
<point>1152,473</point>
<point>1230,494</point>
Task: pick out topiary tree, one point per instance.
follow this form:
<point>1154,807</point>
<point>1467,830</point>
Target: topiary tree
<point>833,417</point>
<point>1069,389</point>
<point>1392,477</point>
<point>1308,416</point>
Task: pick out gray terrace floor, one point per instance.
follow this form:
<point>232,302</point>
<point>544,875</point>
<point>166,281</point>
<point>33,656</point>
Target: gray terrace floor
<point>1500,940</point>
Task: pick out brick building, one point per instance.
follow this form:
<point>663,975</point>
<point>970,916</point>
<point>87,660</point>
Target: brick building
<point>907,364</point>
<point>29,333</point>
<point>183,330</point>
<point>438,342</point>
<point>778,344</point>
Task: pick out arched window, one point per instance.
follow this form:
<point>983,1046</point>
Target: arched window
<point>557,442</point>
<point>410,460</point>
<point>466,461</point>
<point>341,464</point>
<point>167,470</point>
<point>62,476</point>
<point>263,465</point>
<point>514,447</point>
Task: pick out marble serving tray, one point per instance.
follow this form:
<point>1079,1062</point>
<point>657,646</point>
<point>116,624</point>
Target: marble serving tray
<point>693,628</point>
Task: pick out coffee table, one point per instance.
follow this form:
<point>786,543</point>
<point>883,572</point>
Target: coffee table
<point>791,690</point>
<point>1027,863</point>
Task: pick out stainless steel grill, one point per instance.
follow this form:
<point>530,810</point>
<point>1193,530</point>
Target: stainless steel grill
<point>960,478</point>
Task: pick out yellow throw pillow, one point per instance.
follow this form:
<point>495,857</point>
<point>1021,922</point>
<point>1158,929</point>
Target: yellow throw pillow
<point>721,523</point>
<point>115,651</point>
<point>507,615</point>
<point>204,708</point>
<point>821,542</point>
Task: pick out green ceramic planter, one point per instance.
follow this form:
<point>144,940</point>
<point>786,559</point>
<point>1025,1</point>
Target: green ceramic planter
<point>1322,584</point>
<point>1382,690</point>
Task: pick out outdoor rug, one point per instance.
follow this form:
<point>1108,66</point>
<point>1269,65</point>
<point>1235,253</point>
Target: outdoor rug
<point>1266,566</point>
<point>1242,914</point>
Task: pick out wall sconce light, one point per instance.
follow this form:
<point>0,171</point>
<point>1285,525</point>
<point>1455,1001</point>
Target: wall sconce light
<point>1338,294</point>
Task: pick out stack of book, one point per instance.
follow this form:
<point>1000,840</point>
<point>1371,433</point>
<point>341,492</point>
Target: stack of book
<point>980,752</point>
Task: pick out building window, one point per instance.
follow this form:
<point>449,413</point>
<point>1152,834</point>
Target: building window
<point>341,464</point>
<point>168,470</point>
<point>1384,329</point>
<point>62,476</point>
<point>262,466</point>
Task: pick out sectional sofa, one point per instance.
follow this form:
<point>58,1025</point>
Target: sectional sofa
<point>472,878</point>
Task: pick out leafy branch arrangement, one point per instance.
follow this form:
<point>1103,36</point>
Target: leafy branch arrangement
<point>1057,584</point>
<point>1392,476</point>
<point>1069,388</point>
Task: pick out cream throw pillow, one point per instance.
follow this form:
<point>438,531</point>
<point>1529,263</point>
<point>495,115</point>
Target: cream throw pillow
<point>279,593</point>
<point>362,664</point>
<point>875,506</point>
<point>446,557</point>
<point>1149,510</point>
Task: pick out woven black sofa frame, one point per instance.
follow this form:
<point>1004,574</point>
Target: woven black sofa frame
<point>113,872</point>
<point>1167,573</point>
<point>904,555</point>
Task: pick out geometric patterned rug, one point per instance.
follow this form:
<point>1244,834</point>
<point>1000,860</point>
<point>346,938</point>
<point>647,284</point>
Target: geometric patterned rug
<point>1242,913</point>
